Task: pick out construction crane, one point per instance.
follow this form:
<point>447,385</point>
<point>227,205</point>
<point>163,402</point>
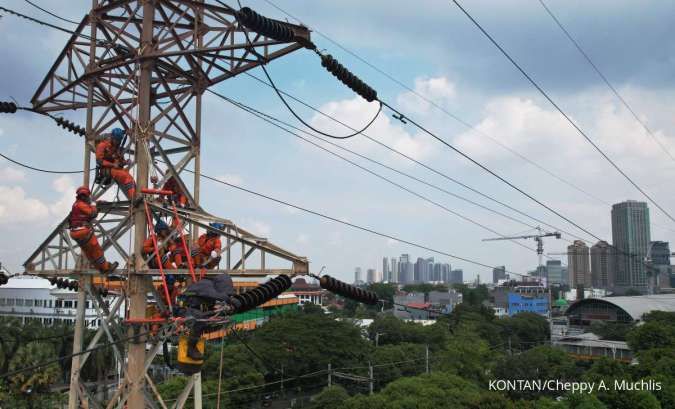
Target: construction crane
<point>537,237</point>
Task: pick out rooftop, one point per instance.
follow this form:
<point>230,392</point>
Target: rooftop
<point>635,306</point>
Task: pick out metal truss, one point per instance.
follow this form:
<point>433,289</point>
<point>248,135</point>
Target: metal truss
<point>143,65</point>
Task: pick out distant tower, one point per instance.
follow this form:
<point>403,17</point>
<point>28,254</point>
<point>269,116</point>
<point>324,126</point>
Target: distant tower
<point>631,237</point>
<point>602,265</point>
<point>394,272</point>
<point>578,263</point>
<point>386,271</point>
<point>371,276</point>
<point>498,273</point>
<point>358,275</point>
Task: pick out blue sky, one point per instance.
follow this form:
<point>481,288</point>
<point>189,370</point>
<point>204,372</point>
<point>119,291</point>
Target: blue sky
<point>431,47</point>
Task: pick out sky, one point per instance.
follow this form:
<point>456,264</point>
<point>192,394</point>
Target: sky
<point>432,48</point>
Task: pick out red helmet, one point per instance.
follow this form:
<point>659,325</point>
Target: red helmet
<point>83,191</point>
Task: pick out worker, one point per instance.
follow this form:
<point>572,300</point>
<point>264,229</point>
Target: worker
<point>111,162</point>
<point>81,230</point>
<point>208,249</point>
<point>199,300</point>
<point>178,197</point>
<point>165,245</point>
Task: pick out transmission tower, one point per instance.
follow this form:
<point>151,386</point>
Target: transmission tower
<point>144,65</point>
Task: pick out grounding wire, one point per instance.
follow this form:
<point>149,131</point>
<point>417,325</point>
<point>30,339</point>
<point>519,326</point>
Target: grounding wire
<point>51,13</point>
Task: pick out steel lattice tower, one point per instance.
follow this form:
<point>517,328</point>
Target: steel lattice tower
<point>144,65</point>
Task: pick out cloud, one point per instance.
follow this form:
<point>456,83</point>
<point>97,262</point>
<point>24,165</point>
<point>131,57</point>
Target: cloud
<point>66,186</point>
<point>16,207</point>
<point>10,174</point>
<point>356,112</point>
<point>258,227</point>
<point>437,89</point>
<point>302,238</point>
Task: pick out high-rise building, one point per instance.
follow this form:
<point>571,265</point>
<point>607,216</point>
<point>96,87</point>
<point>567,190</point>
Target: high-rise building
<point>371,276</point>
<point>660,264</point>
<point>578,263</point>
<point>394,271</point>
<point>358,276</point>
<point>498,273</point>
<point>456,276</point>
<point>405,269</point>
<point>554,272</point>
<point>631,238</point>
<point>386,272</point>
<point>602,264</point>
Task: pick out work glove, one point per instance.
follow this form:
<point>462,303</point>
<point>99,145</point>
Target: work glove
<point>214,254</point>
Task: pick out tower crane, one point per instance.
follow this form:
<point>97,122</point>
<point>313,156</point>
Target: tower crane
<point>537,237</point>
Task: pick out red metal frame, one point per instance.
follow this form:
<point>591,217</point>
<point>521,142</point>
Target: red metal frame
<point>188,255</point>
<point>167,293</point>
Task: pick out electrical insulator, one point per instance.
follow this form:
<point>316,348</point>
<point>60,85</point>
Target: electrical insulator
<point>349,291</point>
<point>3,279</point>
<point>7,107</point>
<point>260,295</point>
<point>102,291</point>
<point>70,126</point>
<point>352,81</point>
<point>265,26</point>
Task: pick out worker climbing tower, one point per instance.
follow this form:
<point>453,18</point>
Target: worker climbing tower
<point>144,66</point>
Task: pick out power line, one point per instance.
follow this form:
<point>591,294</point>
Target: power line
<point>61,172</point>
<point>51,14</point>
<point>442,109</point>
<point>411,159</point>
<point>605,80</point>
<point>563,113</point>
<point>349,224</point>
<point>412,192</point>
<point>43,23</point>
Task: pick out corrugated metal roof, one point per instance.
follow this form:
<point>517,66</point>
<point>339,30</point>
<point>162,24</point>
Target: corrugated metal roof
<point>635,306</point>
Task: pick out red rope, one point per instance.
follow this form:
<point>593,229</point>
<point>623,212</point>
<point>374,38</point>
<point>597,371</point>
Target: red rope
<point>157,257</point>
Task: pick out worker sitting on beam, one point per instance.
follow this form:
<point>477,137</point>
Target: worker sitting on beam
<point>110,161</point>
<point>82,231</point>
<point>207,253</point>
<point>179,198</point>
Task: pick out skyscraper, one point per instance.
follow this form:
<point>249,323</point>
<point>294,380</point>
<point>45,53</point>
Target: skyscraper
<point>498,273</point>
<point>579,264</point>
<point>394,271</point>
<point>554,272</point>
<point>602,264</point>
<point>660,264</point>
<point>371,276</point>
<point>405,269</point>
<point>456,276</point>
<point>386,272</point>
<point>630,237</point>
<point>358,276</point>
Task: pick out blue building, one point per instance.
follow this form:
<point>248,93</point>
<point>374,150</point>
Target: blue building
<point>536,302</point>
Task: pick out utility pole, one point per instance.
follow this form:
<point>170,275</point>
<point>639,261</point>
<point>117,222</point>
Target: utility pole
<point>370,377</point>
<point>427,358</point>
<point>144,67</point>
<point>330,375</point>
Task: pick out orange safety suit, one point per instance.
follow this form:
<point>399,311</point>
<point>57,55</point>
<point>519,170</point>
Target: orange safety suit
<point>205,245</point>
<point>167,260</point>
<point>178,196</point>
<point>110,159</point>
<point>82,232</point>
<point>178,254</point>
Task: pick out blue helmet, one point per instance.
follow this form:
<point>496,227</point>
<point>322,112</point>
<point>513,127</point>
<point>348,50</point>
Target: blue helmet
<point>118,135</point>
<point>161,226</point>
<point>218,226</point>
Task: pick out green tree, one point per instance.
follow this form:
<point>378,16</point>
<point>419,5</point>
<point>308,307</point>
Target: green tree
<point>611,330</point>
<point>330,398</point>
<point>541,362</point>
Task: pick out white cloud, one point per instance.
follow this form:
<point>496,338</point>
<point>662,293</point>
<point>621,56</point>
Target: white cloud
<point>392,243</point>
<point>356,112</point>
<point>302,238</point>
<point>66,186</point>
<point>437,89</point>
<point>16,207</point>
<point>10,174</point>
<point>258,227</point>
<point>231,178</point>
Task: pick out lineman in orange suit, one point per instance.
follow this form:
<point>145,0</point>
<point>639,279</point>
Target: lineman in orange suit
<point>110,159</point>
<point>166,250</point>
<point>82,232</point>
<point>207,253</point>
<point>178,196</point>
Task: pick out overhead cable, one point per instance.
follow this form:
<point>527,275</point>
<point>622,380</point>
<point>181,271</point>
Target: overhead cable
<point>563,113</point>
<point>606,81</point>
